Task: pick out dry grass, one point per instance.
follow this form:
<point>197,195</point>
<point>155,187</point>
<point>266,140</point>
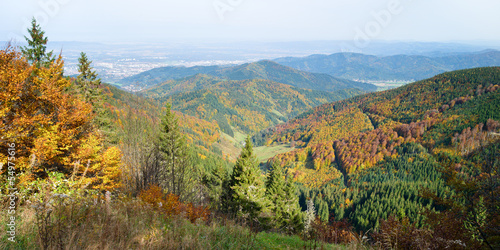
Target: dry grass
<point>88,223</point>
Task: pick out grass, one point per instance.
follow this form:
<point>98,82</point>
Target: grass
<point>265,152</point>
<point>228,145</point>
<point>129,224</point>
<point>232,146</point>
<point>277,112</point>
<point>239,136</point>
<point>278,241</point>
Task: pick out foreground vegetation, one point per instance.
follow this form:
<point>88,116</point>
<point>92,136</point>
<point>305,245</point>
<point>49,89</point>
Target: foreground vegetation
<point>73,222</point>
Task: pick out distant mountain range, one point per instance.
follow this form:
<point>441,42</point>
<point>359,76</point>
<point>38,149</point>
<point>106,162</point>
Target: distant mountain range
<point>266,70</point>
<point>398,67</point>
<point>159,75</point>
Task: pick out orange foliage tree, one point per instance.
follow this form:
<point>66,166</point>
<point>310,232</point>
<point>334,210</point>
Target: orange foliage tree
<point>170,205</point>
<point>50,127</point>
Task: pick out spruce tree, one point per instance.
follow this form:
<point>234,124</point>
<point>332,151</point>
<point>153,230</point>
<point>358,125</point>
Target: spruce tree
<point>247,187</point>
<point>88,87</point>
<point>87,81</point>
<point>287,215</point>
<point>35,52</point>
<point>323,212</point>
<point>214,180</point>
<point>176,174</point>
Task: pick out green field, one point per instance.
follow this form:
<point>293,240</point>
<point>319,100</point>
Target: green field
<point>264,153</point>
<point>232,146</point>
<point>239,136</point>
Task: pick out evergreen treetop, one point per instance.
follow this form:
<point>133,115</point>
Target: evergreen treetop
<point>88,83</point>
<point>35,52</point>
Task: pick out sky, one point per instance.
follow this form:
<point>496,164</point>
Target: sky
<point>161,21</point>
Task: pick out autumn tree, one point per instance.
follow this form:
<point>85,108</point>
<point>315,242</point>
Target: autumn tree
<point>35,52</point>
<point>472,213</point>
<point>51,127</point>
<point>50,124</point>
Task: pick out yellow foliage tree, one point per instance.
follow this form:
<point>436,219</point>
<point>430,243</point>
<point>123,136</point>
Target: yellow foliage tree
<point>50,127</point>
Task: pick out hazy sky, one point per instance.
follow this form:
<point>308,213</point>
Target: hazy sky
<point>253,20</point>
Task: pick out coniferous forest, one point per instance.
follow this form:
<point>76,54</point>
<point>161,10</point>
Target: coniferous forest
<point>189,163</point>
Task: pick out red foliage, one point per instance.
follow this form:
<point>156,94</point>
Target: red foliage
<point>338,232</point>
<point>170,205</point>
<point>197,212</point>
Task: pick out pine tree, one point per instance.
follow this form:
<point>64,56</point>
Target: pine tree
<point>285,206</point>
<point>176,175</point>
<point>214,180</point>
<point>87,82</point>
<point>35,52</point>
<point>88,87</point>
<point>247,187</point>
<point>323,211</point>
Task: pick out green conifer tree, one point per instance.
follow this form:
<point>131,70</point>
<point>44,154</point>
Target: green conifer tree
<point>35,52</point>
<point>323,211</point>
<point>247,187</point>
<point>88,86</point>
<point>214,180</point>
<point>287,215</point>
<point>177,174</point>
<point>87,81</point>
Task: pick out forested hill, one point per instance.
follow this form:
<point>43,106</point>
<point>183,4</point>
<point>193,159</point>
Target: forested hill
<point>270,70</point>
<point>156,76</point>
<point>266,70</point>
<point>410,103</point>
<point>136,119</point>
<point>367,157</point>
<point>398,67</point>
<point>246,105</point>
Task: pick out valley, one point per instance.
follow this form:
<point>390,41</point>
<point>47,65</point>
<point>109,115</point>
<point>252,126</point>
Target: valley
<point>368,152</point>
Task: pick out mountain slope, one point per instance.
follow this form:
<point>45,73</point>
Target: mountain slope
<point>275,72</point>
<point>131,112</point>
<point>398,67</point>
<point>411,103</point>
<point>266,70</point>
<point>361,131</point>
<point>367,158</point>
<point>248,105</point>
<point>158,75</point>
